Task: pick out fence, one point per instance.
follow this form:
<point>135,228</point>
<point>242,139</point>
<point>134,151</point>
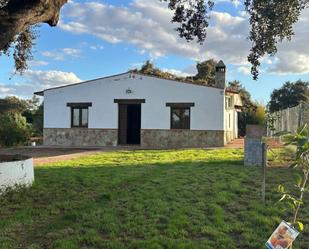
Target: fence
<point>289,119</point>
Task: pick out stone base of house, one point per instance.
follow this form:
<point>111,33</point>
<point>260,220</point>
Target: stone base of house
<point>80,137</point>
<point>149,138</point>
<point>181,138</point>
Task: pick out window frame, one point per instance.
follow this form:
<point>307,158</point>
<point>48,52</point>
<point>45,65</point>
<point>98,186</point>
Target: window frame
<point>187,125</point>
<point>228,102</point>
<point>80,118</point>
<point>80,107</point>
<point>185,106</point>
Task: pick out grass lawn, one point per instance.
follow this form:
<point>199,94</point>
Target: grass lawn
<point>147,199</point>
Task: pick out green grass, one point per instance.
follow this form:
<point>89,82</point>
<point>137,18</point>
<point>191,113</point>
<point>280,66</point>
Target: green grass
<point>180,199</point>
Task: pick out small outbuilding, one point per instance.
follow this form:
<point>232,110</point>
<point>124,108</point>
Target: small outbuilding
<point>136,109</point>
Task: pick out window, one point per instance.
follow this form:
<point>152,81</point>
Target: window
<point>180,118</point>
<point>180,115</point>
<point>79,117</point>
<point>79,114</point>
<point>228,102</point>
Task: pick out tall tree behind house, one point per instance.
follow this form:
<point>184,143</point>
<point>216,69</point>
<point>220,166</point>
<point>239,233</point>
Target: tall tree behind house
<point>289,95</point>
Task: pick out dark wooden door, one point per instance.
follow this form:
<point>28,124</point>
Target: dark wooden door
<point>134,124</point>
<point>122,123</point>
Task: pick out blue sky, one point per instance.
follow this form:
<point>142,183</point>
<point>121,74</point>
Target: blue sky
<point>105,37</point>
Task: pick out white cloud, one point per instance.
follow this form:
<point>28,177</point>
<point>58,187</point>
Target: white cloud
<point>96,47</point>
<point>176,72</point>
<point>71,51</point>
<point>38,63</point>
<point>236,3</point>
<point>4,89</point>
<point>244,70</point>
<point>47,79</point>
<point>36,80</point>
<point>62,54</point>
<point>148,27</point>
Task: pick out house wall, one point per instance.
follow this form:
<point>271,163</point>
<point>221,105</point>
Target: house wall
<point>206,115</point>
<point>231,125</point>
<point>230,119</point>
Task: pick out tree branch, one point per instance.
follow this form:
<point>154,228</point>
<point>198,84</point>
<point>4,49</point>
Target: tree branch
<point>18,15</point>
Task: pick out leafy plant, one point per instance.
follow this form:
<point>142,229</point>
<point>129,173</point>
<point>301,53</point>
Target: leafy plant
<point>295,201</point>
<point>14,129</point>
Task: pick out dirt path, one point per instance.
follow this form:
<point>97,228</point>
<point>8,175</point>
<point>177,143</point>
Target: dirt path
<point>42,155</point>
<point>52,159</point>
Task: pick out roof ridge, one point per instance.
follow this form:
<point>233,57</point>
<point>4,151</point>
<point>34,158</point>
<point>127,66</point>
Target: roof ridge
<point>41,93</point>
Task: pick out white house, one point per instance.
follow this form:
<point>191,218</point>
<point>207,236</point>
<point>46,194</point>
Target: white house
<point>132,108</point>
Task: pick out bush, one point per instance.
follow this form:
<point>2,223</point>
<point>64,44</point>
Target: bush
<point>14,129</point>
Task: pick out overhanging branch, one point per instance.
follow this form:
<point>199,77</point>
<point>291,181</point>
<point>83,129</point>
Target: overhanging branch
<point>18,15</point>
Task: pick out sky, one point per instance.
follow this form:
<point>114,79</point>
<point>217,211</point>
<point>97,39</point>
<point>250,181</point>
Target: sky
<point>105,37</point>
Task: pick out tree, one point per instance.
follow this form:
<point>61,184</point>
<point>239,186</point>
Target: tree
<point>206,71</point>
<point>149,68</point>
<point>17,19</point>
<point>37,123</point>
<point>30,109</point>
<point>296,198</point>
<point>14,129</point>
<point>32,106</point>
<point>205,76</point>
<point>289,95</point>
<point>13,104</point>
<point>258,115</point>
<point>271,22</point>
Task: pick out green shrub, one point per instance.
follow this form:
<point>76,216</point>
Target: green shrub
<point>14,129</point>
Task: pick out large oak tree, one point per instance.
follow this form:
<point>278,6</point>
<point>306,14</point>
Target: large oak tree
<point>271,21</point>
<point>289,95</point>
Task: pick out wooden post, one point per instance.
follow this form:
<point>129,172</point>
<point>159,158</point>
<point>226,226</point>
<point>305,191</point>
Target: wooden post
<point>264,166</point>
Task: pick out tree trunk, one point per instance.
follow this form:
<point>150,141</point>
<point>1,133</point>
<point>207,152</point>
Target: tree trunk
<point>19,15</point>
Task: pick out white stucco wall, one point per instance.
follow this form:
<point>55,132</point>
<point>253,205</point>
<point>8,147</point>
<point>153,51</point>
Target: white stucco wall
<point>207,114</point>
<point>16,173</point>
<point>231,115</point>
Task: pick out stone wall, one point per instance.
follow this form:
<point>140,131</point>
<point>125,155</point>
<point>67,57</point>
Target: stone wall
<point>149,138</point>
<point>80,137</point>
<point>181,138</point>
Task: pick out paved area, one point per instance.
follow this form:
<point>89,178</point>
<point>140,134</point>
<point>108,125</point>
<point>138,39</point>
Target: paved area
<point>240,143</point>
<point>42,154</point>
<point>236,144</point>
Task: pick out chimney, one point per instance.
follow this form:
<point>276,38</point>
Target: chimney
<point>220,78</point>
